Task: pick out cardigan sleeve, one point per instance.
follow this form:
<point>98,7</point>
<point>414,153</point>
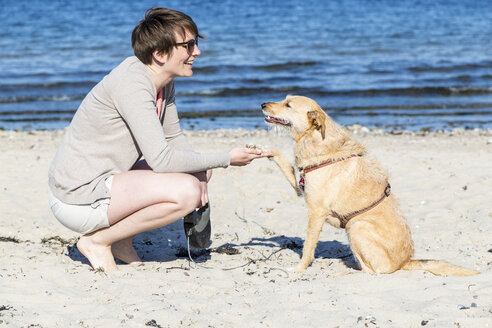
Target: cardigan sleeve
<point>135,100</point>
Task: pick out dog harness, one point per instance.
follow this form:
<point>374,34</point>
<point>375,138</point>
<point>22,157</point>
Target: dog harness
<point>309,168</point>
<point>344,219</point>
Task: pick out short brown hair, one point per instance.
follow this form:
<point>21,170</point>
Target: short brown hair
<point>157,31</point>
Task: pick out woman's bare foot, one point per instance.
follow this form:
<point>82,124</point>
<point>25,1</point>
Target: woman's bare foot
<point>99,256</point>
<point>123,250</point>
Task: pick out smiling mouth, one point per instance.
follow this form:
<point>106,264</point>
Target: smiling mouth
<point>275,120</point>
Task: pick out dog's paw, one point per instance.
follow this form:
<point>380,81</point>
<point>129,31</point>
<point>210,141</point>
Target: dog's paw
<point>261,148</point>
<point>275,154</point>
<point>255,146</point>
<point>300,268</point>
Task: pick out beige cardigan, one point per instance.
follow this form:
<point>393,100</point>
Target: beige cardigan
<point>117,124</point>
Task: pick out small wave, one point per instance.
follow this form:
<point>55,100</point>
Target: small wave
<point>27,99</point>
<point>270,67</point>
<point>414,91</point>
<point>47,86</point>
<point>38,112</point>
<point>350,53</point>
<point>283,66</point>
<point>38,119</point>
<point>10,56</point>
<point>206,69</point>
<point>378,71</point>
<point>16,75</point>
<point>450,68</point>
<point>411,91</point>
<point>227,92</point>
<point>417,108</point>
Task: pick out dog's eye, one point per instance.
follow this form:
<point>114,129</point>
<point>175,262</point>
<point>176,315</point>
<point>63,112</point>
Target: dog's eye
<point>287,105</point>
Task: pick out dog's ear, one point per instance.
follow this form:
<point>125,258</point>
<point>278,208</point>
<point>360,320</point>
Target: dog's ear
<point>317,121</point>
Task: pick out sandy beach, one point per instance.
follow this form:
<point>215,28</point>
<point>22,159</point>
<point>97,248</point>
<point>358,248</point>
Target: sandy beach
<point>443,181</point>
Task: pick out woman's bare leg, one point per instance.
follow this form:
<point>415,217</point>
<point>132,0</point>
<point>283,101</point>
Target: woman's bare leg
<point>141,200</point>
<point>123,250</point>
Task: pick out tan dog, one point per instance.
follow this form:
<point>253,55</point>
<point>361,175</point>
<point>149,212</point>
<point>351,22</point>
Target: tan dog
<point>345,187</point>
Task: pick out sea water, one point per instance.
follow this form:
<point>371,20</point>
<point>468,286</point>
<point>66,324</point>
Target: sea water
<point>390,64</point>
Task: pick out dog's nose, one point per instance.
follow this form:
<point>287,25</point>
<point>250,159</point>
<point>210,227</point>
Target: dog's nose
<point>263,105</point>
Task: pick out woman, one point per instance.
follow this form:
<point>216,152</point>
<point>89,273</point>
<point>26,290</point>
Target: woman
<point>124,166</point>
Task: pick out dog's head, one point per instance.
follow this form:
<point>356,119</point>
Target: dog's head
<point>297,114</point>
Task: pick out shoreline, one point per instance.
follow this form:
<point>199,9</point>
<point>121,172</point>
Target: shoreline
<point>232,122</point>
<point>354,129</point>
<point>442,181</point>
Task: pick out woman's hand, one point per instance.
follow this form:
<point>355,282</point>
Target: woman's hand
<point>204,193</point>
<point>204,177</point>
<point>243,156</point>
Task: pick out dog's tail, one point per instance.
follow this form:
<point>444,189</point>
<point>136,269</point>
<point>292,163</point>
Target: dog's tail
<point>439,268</point>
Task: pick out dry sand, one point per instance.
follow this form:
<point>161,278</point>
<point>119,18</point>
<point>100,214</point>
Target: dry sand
<point>443,182</point>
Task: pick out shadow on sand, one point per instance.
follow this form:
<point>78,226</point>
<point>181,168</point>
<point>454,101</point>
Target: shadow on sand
<point>324,249</point>
<point>168,243</point>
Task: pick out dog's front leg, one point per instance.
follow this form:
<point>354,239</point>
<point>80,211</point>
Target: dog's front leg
<point>315,224</point>
<point>287,169</point>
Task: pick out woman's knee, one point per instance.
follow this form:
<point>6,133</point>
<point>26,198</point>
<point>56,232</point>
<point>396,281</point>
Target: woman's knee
<point>190,193</point>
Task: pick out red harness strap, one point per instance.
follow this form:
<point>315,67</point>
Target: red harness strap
<point>344,219</point>
<point>309,168</point>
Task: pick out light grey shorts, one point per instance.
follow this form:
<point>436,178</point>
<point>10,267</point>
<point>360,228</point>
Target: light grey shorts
<point>82,218</point>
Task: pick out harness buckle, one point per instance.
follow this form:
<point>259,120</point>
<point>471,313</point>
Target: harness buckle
<point>387,190</point>
<point>301,183</point>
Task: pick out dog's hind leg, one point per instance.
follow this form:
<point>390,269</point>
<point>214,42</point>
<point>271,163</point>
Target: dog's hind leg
<point>315,225</point>
<point>369,250</point>
<point>287,169</point>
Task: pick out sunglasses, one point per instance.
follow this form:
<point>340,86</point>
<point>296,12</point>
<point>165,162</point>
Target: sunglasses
<point>189,45</point>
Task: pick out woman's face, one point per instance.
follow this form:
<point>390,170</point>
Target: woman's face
<point>180,61</point>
